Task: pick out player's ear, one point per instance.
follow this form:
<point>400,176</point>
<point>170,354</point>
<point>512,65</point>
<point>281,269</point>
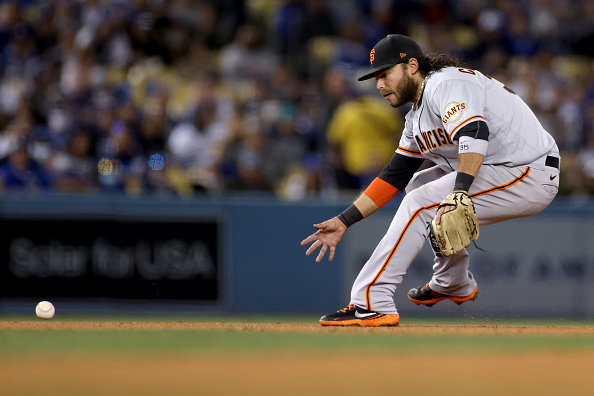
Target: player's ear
<point>413,66</point>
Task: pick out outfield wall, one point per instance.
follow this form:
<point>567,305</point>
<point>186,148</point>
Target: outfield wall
<point>537,266</point>
<point>242,255</point>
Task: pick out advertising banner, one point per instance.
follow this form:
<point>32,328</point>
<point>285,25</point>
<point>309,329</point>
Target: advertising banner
<point>150,259</point>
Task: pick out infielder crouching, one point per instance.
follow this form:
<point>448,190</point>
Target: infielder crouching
<point>494,162</point>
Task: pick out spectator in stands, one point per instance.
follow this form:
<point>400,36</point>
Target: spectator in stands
<point>125,164</point>
<point>246,57</point>
<point>10,15</point>
<point>153,133</point>
<point>75,169</point>
<point>59,56</point>
<point>293,24</point>
<point>362,132</point>
<point>20,171</point>
<point>244,158</point>
<point>197,144</point>
<point>350,48</point>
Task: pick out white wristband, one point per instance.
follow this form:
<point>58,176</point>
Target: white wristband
<point>467,144</point>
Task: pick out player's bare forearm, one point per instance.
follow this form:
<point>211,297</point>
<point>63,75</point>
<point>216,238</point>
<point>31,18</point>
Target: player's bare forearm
<point>365,205</point>
<point>470,163</point>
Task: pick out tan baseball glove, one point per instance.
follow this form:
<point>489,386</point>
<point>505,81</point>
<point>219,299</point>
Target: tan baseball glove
<point>458,226</point>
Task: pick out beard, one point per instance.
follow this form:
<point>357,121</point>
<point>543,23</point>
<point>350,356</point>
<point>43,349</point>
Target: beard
<point>406,91</point>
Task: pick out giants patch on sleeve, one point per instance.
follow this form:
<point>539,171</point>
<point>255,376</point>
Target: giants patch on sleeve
<point>453,111</point>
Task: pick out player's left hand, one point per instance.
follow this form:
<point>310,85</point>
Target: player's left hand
<point>441,211</point>
<point>329,233</point>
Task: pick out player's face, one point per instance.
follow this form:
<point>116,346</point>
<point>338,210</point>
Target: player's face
<point>396,85</point>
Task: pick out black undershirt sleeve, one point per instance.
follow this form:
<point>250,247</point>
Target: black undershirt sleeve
<point>475,129</point>
<point>400,170</point>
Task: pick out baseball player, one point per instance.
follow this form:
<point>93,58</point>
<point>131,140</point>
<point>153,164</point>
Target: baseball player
<point>493,161</point>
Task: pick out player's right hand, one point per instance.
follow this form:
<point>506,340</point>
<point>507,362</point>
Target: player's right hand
<point>328,234</point>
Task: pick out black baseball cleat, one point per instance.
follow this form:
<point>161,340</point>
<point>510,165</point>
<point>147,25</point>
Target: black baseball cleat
<point>425,296</point>
<point>355,316</point>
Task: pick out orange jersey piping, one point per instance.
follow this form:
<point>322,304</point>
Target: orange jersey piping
<point>415,152</point>
<point>393,251</point>
<point>464,123</point>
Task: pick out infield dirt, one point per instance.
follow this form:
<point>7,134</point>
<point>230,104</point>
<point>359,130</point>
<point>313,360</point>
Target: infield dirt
<point>307,371</point>
<point>412,329</point>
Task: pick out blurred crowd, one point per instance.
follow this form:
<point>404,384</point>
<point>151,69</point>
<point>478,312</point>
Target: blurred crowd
<point>183,97</point>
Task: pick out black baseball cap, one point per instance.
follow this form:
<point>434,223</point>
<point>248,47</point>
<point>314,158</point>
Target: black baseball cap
<point>391,51</point>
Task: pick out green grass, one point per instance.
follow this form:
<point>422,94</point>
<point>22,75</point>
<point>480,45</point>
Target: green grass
<point>36,342</point>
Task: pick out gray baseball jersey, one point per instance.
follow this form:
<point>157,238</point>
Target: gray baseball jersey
<point>519,177</point>
<point>454,97</point>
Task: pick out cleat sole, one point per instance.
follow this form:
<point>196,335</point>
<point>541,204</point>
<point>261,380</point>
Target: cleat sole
<point>381,321</point>
<point>458,300</point>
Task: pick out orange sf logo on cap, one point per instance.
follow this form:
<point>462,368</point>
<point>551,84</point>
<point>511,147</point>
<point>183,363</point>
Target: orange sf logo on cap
<point>372,56</point>
<point>402,55</point>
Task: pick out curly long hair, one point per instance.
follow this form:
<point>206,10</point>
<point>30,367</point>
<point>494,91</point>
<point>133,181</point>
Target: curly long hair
<point>431,63</point>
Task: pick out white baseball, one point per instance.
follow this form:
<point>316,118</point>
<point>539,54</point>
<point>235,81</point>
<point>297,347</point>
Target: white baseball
<point>45,310</point>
